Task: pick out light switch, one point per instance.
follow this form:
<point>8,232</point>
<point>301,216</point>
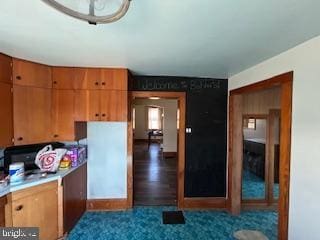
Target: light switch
<point>188,130</point>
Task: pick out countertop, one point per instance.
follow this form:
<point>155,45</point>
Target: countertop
<point>36,179</point>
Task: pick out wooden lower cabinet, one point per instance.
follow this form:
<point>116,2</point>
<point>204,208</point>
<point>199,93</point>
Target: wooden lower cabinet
<point>3,202</point>
<point>74,197</point>
<point>35,207</point>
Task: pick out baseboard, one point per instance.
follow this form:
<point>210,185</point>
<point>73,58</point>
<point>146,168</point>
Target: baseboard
<point>205,203</point>
<point>258,206</point>
<point>107,204</point>
<point>169,154</point>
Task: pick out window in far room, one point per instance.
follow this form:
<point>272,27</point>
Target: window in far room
<point>154,118</point>
<point>133,118</point>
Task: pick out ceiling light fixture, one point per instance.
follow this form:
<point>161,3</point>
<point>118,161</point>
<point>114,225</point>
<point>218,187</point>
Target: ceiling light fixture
<point>92,11</point>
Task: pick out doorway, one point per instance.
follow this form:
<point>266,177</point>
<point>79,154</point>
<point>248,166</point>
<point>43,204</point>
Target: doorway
<point>156,170</point>
<point>235,159</point>
<point>155,151</point>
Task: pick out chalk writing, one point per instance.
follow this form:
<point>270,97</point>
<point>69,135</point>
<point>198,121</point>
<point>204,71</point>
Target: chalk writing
<point>165,84</point>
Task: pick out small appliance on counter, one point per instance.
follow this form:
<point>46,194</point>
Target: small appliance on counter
<point>25,154</point>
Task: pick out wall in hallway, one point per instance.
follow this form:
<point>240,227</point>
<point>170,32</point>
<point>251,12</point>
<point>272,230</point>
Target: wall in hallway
<point>169,122</point>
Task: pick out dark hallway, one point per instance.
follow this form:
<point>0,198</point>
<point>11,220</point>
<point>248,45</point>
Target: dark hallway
<point>155,177</point>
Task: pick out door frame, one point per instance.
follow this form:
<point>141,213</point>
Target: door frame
<point>285,82</point>
<point>181,97</point>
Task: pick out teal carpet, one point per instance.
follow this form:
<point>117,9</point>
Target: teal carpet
<point>144,223</point>
<point>253,187</point>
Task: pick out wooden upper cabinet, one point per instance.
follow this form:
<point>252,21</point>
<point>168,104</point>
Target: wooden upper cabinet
<point>62,115</point>
<point>27,73</point>
<point>5,69</point>
<point>6,115</point>
<point>93,78</point>
<point>90,78</point>
<point>81,106</point>
<point>94,105</point>
<point>63,78</point>
<point>114,79</point>
<point>114,106</point>
<point>32,115</point>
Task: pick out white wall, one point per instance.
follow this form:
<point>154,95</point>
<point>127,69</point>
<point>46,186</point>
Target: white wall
<point>169,121</point>
<point>304,60</point>
<point>107,160</point>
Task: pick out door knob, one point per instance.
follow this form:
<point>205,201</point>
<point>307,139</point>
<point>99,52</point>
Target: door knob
<point>18,77</point>
<point>20,138</point>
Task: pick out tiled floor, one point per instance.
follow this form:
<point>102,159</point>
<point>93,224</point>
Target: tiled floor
<point>144,223</point>
<point>253,187</point>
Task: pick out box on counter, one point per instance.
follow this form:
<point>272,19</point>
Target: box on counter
<point>77,154</point>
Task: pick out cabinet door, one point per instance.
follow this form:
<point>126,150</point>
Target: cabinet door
<point>6,115</point>
<point>114,79</point>
<point>62,115</point>
<point>5,69</point>
<point>74,201</point>
<point>32,115</point>
<point>39,209</point>
<point>80,78</point>
<point>114,105</point>
<point>81,106</point>
<point>31,74</point>
<point>93,78</point>
<point>94,105</point>
<point>3,202</point>
<point>63,78</point>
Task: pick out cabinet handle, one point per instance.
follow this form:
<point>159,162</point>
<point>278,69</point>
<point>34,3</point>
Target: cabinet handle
<point>96,83</point>
<point>97,114</point>
<point>20,138</point>
<point>103,83</point>
<point>56,135</point>
<point>19,208</point>
<point>54,82</point>
<point>103,114</point>
<point>18,77</point>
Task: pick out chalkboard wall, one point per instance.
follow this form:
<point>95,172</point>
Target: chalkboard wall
<point>206,114</point>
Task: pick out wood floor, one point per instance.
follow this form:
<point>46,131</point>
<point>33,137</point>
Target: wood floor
<point>155,177</point>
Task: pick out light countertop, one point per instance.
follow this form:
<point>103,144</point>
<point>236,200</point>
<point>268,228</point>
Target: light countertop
<point>36,179</point>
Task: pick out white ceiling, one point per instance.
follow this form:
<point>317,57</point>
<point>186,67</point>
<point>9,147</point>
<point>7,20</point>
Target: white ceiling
<point>208,38</point>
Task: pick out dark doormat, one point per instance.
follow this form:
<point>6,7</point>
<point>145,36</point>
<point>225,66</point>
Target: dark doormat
<point>173,217</point>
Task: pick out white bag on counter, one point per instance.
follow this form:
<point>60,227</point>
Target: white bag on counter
<point>48,160</point>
